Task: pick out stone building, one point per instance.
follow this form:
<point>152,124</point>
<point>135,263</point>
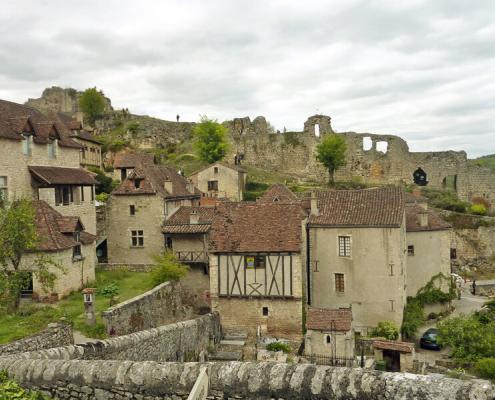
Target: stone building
<point>356,257</point>
<point>221,180</point>
<point>125,163</point>
<point>256,267</point>
<point>65,240</point>
<point>428,244</point>
<point>137,208</point>
<point>329,333</point>
<point>41,161</point>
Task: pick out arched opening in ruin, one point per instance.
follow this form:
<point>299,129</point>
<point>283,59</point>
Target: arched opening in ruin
<point>420,177</point>
<point>317,130</point>
<point>382,147</point>
<point>450,182</point>
<point>367,143</point>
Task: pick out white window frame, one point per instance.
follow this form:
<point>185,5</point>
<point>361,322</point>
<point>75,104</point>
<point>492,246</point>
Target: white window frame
<point>136,235</point>
<point>52,145</point>
<point>26,145</point>
<point>344,246</point>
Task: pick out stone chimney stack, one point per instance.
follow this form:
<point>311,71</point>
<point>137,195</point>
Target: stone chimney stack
<point>423,219</point>
<point>194,217</point>
<point>167,185</point>
<point>314,205</point>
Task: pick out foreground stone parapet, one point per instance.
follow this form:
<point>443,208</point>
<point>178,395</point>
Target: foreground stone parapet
<point>84,379</point>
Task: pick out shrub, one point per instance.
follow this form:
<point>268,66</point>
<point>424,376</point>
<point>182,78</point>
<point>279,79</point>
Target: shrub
<point>380,365</point>
<point>97,331</point>
<point>10,390</point>
<point>109,291</point>
<point>413,317</point>
<point>105,183</point>
<point>485,368</point>
<point>387,330</point>
<point>102,197</point>
<point>167,268</point>
<point>478,209</point>
<point>278,346</point>
<point>445,199</point>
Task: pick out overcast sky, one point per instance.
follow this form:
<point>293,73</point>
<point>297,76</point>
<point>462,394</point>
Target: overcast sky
<point>424,70</point>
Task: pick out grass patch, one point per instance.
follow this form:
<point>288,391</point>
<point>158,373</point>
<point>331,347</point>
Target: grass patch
<point>32,317</point>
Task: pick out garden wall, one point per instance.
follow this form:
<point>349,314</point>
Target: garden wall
<point>158,306</point>
<point>56,335</point>
<point>82,379</point>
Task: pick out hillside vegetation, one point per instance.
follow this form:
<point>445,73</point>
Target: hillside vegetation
<point>486,161</point>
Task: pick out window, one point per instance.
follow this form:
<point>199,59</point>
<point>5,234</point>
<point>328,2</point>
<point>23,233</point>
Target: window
<point>52,145</point>
<point>82,193</point>
<point>63,195</point>
<point>213,185</point>
<point>168,242</point>
<point>26,145</point>
<point>344,246</point>
<point>453,254</point>
<point>264,311</point>
<point>76,250</point>
<point>410,250</point>
<point>392,305</point>
<point>339,283</point>
<point>215,170</point>
<point>3,188</point>
<point>123,174</point>
<point>255,262</point>
<point>328,339</point>
<point>137,239</point>
<point>391,271</point>
<point>137,183</point>
<point>132,209</point>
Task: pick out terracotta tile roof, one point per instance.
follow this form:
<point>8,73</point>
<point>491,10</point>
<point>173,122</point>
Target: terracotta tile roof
<point>379,207</point>
<point>15,117</point>
<point>237,168</point>
<point>278,193</point>
<point>435,222</point>
<point>69,224</point>
<point>152,180</point>
<point>62,176</point>
<point>403,347</point>
<point>325,320</point>
<point>132,160</point>
<point>179,222</point>
<point>85,135</point>
<point>256,227</point>
<point>51,237</point>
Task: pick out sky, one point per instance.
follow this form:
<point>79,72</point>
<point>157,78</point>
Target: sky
<point>423,70</point>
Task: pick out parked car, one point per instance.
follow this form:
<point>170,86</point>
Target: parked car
<point>429,340</point>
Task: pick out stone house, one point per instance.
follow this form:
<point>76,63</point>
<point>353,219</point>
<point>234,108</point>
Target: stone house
<point>329,333</point>
<point>64,239</point>
<point>428,245</point>
<point>398,356</point>
<point>186,233</point>
<point>137,208</point>
<point>221,180</point>
<point>41,161</point>
<point>256,267</point>
<point>356,257</point>
<point>125,163</point>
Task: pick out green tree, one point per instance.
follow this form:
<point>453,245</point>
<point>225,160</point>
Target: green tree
<point>17,237</point>
<point>331,153</point>
<point>167,268</point>
<point>386,329</point>
<point>210,140</point>
<point>92,103</point>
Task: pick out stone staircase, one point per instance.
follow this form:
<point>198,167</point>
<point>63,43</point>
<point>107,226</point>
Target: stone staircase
<point>230,348</point>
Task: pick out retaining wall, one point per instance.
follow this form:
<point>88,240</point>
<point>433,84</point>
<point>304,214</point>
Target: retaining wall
<point>56,335</point>
<point>80,379</point>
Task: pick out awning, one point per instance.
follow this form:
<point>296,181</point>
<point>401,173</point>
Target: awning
<point>62,176</point>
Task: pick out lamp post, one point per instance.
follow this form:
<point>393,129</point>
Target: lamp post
<point>89,305</point>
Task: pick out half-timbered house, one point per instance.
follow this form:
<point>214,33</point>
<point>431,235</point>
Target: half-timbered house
<point>256,259</point>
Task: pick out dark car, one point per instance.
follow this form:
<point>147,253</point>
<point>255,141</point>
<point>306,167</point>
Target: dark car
<point>429,340</point>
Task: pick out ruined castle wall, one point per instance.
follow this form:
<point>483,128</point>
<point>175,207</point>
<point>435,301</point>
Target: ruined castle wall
<point>56,335</point>
<point>79,379</point>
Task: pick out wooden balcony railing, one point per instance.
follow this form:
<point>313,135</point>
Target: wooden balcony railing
<point>192,256</point>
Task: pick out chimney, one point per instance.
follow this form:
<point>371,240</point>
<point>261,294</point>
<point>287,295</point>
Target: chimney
<point>423,219</point>
<point>80,117</point>
<point>167,185</point>
<point>194,217</point>
<point>314,205</point>
<point>190,186</point>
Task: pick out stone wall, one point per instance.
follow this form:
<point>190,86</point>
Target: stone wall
<point>79,379</point>
<point>56,335</point>
<point>158,306</point>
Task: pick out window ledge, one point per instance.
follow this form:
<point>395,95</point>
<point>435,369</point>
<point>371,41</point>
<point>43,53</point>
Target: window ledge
<point>78,258</point>
<point>136,247</point>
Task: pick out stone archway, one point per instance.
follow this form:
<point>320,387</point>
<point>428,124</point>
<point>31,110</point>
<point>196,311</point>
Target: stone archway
<point>420,177</point>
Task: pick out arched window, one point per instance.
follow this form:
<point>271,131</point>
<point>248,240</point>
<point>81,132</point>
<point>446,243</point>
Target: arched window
<point>328,339</point>
<point>419,177</point>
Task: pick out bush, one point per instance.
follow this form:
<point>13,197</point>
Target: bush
<point>109,291</point>
<point>380,365</point>
<point>387,330</point>
<point>413,317</point>
<point>106,184</point>
<point>97,331</point>
<point>102,197</point>
<point>167,268</point>
<point>478,209</point>
<point>10,390</point>
<point>445,199</point>
<point>485,368</point>
<point>278,346</point>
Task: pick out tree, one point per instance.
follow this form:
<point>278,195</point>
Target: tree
<point>17,237</point>
<point>167,268</point>
<point>210,140</point>
<point>387,330</point>
<point>331,153</point>
<point>92,103</point>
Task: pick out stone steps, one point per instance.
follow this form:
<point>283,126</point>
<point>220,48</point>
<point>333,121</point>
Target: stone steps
<point>235,336</point>
<point>225,356</point>
<point>231,342</point>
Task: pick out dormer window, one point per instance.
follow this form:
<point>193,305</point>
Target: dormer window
<point>76,250</point>
<point>26,144</point>
<point>137,183</point>
<point>52,148</point>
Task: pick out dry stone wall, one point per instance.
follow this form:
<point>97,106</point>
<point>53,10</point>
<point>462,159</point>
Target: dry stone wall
<point>56,335</point>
